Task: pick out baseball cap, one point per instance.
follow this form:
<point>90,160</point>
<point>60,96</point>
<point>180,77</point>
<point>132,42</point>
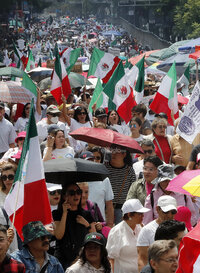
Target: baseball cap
<point>165,172</point>
<point>133,205</point>
<point>2,105</point>
<point>20,135</point>
<point>167,203</point>
<point>53,187</point>
<point>52,127</point>
<point>34,230</point>
<point>95,237</point>
<point>184,215</point>
<point>86,155</point>
<point>53,109</point>
<point>100,112</point>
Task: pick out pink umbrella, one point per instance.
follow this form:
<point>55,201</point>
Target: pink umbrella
<point>180,180</point>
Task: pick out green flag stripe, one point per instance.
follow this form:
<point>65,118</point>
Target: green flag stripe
<point>172,74</point>
<point>140,80</point>
<point>58,69</point>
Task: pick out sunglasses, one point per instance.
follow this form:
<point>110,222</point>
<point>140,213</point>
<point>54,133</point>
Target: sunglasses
<point>148,151</point>
<point>54,192</point>
<point>132,125</point>
<point>162,126</point>
<point>173,212</point>
<point>54,115</point>
<point>82,113</point>
<point>74,192</point>
<point>9,177</point>
<point>28,108</point>
<point>21,138</point>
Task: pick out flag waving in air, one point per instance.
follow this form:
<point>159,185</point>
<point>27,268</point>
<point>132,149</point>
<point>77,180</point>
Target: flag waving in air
<point>60,82</point>
<point>102,64</point>
<point>120,93</point>
<point>69,57</point>
<point>31,62</point>
<point>28,198</point>
<point>166,97</point>
<point>20,59</point>
<point>184,81</point>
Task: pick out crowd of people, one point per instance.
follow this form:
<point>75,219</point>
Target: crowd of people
<point>130,221</point>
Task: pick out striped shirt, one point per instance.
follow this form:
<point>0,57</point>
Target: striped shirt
<point>116,176</point>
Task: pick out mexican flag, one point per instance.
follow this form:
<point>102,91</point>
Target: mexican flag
<point>28,199</point>
<point>189,256</point>
<point>98,97</point>
<point>120,93</point>
<point>102,64</point>
<point>136,80</point>
<point>31,62</point>
<point>19,58</point>
<point>185,79</point>
<point>60,82</point>
<point>166,97</point>
<point>69,57</point>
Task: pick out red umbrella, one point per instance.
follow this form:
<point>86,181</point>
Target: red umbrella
<point>182,100</point>
<point>105,138</point>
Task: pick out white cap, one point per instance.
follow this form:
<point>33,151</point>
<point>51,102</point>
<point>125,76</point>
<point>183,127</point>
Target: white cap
<point>167,203</point>
<point>53,187</point>
<point>133,205</point>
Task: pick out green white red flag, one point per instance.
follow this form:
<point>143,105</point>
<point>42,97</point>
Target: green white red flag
<point>120,93</point>
<point>166,99</point>
<point>28,198</point>
<point>19,58</point>
<point>69,57</point>
<point>60,81</point>
<point>185,81</point>
<point>98,97</point>
<point>31,62</point>
<point>102,64</point>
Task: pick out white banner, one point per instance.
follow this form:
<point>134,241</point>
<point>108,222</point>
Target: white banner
<point>189,125</point>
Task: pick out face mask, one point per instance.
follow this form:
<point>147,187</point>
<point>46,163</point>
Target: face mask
<point>54,120</point>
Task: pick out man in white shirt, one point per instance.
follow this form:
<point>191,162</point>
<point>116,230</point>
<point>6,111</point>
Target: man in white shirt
<point>8,134</point>
<point>166,209</point>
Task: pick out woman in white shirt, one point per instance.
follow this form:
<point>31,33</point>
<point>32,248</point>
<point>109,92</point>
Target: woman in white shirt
<point>122,239</point>
<point>57,146</point>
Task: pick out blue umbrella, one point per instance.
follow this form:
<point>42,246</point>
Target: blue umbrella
<point>190,46</point>
<point>111,32</point>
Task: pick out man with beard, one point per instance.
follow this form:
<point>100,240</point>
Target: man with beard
<point>34,252</point>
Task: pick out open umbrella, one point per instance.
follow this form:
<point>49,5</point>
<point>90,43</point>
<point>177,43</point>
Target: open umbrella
<point>11,72</point>
<point>14,92</point>
<point>45,83</point>
<point>105,138</point>
<point>77,80</point>
<point>40,73</point>
<point>178,184</point>
<point>72,170</point>
<point>190,45</point>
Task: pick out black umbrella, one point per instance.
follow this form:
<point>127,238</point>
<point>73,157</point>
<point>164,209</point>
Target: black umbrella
<point>66,171</point>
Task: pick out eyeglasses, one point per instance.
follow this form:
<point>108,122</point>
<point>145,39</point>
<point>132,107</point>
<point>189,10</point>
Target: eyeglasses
<point>54,192</point>
<point>148,151</point>
<point>73,192</point>
<point>117,151</point>
<point>97,157</point>
<point>54,114</point>
<point>82,113</point>
<point>133,125</point>
<point>162,126</point>
<point>173,212</point>
<point>170,260</point>
<point>9,177</point>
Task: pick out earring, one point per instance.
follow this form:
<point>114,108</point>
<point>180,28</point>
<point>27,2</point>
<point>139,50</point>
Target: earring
<point>129,218</point>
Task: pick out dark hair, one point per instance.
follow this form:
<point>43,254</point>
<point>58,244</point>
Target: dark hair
<point>3,229</point>
<point>98,150</point>
<point>104,258</point>
<point>119,119</point>
<point>140,108</point>
<point>125,217</point>
<point>24,110</point>
<point>62,200</point>
<point>137,120</point>
<point>147,142</point>
<point>77,112</point>
<point>7,167</point>
<point>169,230</point>
<point>154,159</point>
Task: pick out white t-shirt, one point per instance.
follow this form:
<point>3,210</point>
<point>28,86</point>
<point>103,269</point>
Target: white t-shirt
<point>7,135</point>
<point>121,246</point>
<point>147,233</point>
<point>67,152</point>
<point>21,123</point>
<point>42,127</point>
<point>75,124</point>
<point>138,167</point>
<point>100,192</point>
